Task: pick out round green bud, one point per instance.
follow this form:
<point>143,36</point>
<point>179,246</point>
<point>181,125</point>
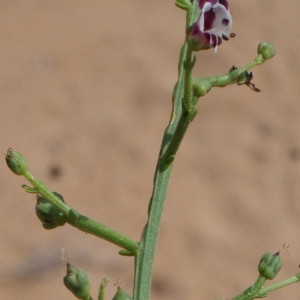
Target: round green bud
<point>121,295</point>
<point>77,282</point>
<point>266,50</point>
<point>48,214</point>
<point>269,265</point>
<point>16,162</point>
<point>201,88</point>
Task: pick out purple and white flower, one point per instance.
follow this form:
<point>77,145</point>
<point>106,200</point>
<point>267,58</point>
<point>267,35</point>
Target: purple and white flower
<point>213,25</point>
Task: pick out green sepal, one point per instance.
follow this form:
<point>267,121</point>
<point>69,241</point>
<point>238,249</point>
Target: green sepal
<point>16,162</point>
<point>269,265</point>
<point>126,253</point>
<point>183,4</point>
<point>121,295</point>
<point>30,190</point>
<point>48,214</point>
<point>77,282</point>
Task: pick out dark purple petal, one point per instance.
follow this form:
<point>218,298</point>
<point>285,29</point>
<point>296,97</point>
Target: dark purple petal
<point>205,40</point>
<point>203,37</point>
<point>209,18</point>
<point>224,3</point>
<point>195,29</point>
<point>198,39</point>
<point>202,2</point>
<point>215,40</point>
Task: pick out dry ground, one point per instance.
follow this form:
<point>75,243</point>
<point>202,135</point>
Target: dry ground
<point>85,91</point>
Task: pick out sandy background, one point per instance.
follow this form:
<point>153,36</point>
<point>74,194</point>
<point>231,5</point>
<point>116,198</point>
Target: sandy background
<point>85,91</point>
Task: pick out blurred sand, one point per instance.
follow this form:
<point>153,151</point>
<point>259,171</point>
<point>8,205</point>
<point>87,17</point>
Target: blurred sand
<point>86,94</point>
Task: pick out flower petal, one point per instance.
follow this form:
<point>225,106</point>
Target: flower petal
<point>201,3</point>
<point>215,41</point>
<point>222,22</point>
<point>224,3</point>
<point>207,17</point>
<point>198,39</point>
<point>213,25</point>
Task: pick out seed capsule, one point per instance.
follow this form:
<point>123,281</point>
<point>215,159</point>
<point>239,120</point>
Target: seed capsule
<point>16,162</point>
<point>269,265</point>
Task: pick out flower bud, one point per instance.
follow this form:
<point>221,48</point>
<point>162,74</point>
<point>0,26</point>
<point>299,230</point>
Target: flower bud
<point>48,214</point>
<point>266,50</point>
<point>269,265</point>
<point>77,282</point>
<point>202,88</point>
<point>121,295</point>
<point>16,162</point>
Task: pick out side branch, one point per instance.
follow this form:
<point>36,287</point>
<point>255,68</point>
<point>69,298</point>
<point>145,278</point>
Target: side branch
<point>18,165</point>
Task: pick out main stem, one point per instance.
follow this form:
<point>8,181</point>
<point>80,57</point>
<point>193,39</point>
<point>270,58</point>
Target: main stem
<point>182,115</point>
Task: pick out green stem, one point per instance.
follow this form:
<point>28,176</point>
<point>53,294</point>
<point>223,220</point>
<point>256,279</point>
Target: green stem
<point>103,284</point>
<point>231,77</point>
<point>182,114</point>
<point>257,290</point>
<point>264,291</point>
<point>145,254</point>
<point>252,291</point>
<point>189,63</point>
<point>182,126</point>
<point>81,222</point>
<point>187,110</point>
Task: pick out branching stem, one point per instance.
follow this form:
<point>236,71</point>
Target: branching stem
<point>81,222</point>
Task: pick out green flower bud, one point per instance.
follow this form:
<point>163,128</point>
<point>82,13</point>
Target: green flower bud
<point>269,265</point>
<point>202,88</point>
<point>266,50</point>
<point>16,162</point>
<point>49,215</point>
<point>77,282</point>
<point>121,295</point>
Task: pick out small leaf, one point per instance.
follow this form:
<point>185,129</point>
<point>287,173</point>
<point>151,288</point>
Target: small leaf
<point>121,295</point>
<point>183,4</point>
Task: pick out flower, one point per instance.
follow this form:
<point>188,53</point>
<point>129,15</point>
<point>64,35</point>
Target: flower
<point>213,25</point>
